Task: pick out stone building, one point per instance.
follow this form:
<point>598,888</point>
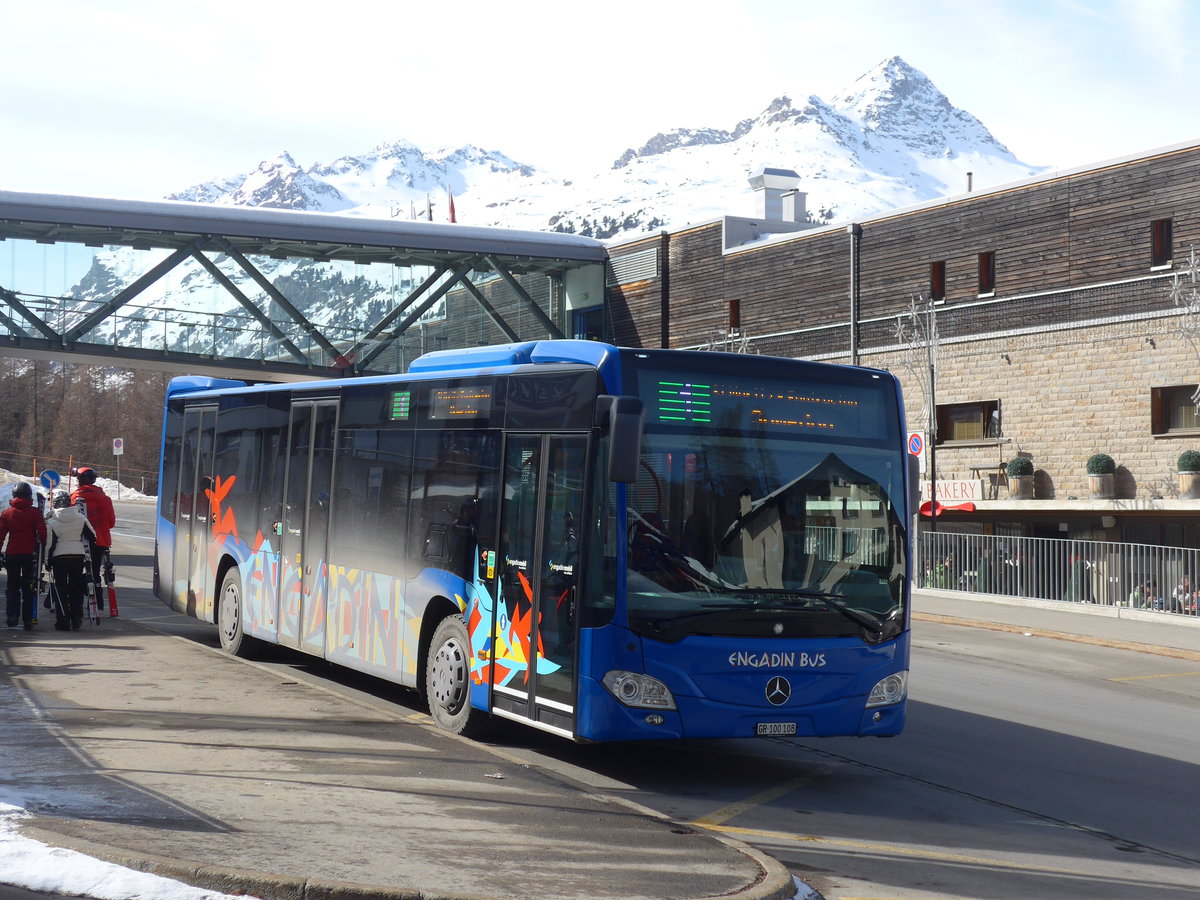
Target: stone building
<point>1063,329</point>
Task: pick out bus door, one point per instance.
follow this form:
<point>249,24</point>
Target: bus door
<point>540,518</point>
<point>304,524</point>
<point>192,504</point>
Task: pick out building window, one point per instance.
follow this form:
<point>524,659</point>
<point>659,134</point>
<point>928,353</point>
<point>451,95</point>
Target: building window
<point>589,323</point>
<point>1172,409</point>
<point>1161,251</point>
<point>987,272</point>
<point>937,280</point>
<point>969,422</point>
<point>735,316</point>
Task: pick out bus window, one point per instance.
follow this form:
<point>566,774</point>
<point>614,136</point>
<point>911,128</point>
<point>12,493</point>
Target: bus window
<point>370,510</point>
<point>450,471</point>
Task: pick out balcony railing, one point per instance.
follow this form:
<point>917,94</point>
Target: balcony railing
<point>1140,576</point>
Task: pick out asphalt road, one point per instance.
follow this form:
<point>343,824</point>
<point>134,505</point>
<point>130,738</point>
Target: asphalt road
<point>1030,768</point>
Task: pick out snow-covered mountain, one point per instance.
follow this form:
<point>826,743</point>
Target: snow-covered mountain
<point>889,140</point>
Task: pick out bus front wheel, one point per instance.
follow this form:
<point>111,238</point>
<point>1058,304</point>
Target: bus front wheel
<point>448,681</point>
<point>234,639</point>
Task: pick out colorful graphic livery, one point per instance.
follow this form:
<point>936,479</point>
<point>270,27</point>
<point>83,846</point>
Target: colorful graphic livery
<point>604,543</point>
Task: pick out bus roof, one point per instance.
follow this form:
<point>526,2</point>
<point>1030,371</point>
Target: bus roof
<point>491,359</point>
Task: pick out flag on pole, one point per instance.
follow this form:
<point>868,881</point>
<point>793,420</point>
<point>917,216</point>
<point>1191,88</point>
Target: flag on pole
<point>451,193</point>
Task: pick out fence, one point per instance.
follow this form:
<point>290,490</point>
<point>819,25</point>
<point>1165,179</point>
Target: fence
<point>1141,576</point>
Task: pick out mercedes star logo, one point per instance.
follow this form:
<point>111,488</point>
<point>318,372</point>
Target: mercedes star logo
<point>778,691</point>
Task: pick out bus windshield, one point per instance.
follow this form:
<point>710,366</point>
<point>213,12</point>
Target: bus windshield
<point>740,512</point>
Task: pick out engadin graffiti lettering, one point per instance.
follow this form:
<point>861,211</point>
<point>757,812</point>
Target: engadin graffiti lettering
<point>370,624</point>
<point>260,579</point>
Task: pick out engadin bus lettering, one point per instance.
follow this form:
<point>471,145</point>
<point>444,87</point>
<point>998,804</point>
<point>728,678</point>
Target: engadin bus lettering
<point>598,542</point>
<point>776,660</point>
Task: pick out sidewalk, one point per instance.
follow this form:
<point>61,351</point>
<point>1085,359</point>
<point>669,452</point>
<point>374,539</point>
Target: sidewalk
<point>164,755</point>
<point>1165,634</point>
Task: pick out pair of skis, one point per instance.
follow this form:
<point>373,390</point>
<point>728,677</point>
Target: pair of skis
<point>96,605</point>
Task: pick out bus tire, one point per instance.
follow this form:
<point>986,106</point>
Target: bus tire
<point>234,640</point>
<point>448,681</point>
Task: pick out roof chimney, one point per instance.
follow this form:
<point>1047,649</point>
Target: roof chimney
<point>781,201</point>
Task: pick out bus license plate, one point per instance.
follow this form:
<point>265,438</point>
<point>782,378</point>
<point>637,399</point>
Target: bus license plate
<point>770,728</point>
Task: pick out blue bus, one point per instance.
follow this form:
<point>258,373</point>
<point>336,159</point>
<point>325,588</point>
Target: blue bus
<point>600,542</point>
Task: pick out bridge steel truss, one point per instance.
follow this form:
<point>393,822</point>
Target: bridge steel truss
<point>273,294</point>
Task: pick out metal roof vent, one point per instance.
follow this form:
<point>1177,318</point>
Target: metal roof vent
<point>781,199</point>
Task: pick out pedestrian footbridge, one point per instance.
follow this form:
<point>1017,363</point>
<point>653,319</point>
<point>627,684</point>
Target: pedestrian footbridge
<point>275,294</point>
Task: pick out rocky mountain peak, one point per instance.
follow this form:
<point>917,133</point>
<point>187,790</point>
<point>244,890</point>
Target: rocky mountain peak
<point>890,139</point>
<point>897,102</point>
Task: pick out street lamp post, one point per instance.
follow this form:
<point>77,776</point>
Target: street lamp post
<point>855,232</point>
<point>918,332</point>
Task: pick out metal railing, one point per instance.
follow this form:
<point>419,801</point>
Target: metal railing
<point>1140,576</point>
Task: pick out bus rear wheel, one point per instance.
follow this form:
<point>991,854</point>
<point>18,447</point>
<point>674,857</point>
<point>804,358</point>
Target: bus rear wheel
<point>234,639</point>
<point>448,681</point>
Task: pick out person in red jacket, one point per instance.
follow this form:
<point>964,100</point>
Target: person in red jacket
<point>100,516</point>
<point>24,527</point>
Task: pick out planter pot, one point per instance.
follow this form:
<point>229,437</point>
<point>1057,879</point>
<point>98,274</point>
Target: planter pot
<point>1020,487</point>
<point>1189,485</point>
<point>1102,486</point>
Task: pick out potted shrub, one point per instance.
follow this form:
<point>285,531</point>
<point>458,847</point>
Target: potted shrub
<point>1100,469</point>
<point>1020,478</point>
<point>1188,467</point>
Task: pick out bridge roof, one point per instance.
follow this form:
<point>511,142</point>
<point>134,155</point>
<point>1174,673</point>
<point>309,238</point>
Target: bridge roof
<point>279,232</point>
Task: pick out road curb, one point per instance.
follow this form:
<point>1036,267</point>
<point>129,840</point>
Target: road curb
<point>267,885</point>
<point>776,882</point>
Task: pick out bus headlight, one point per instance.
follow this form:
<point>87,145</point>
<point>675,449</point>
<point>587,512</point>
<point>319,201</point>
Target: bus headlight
<point>889,691</point>
<point>637,690</point>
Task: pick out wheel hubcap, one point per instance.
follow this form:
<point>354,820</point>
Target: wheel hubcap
<point>449,687</point>
<point>229,613</point>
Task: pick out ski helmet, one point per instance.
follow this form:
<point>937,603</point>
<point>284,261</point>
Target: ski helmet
<point>86,475</point>
<point>61,500</point>
<point>22,489</point>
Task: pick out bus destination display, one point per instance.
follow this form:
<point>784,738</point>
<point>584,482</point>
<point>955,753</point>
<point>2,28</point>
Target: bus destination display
<point>468,402</point>
<point>811,409</point>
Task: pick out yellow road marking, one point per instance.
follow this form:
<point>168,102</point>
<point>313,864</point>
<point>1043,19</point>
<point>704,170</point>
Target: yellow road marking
<point>892,849</point>
<point>1163,675</point>
<point>736,809</point>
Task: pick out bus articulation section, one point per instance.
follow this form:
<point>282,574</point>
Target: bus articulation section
<point>603,543</point>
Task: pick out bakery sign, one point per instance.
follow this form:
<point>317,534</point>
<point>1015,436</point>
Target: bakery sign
<point>955,490</point>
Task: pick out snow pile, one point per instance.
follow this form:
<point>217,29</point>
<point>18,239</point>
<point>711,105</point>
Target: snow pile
<point>109,486</point>
<point>39,867</point>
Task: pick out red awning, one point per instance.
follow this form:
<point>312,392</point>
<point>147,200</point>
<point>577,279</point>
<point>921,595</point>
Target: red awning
<point>945,507</point>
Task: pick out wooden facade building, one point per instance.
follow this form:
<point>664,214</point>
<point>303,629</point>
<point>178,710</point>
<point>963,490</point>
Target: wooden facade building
<point>1062,324</point>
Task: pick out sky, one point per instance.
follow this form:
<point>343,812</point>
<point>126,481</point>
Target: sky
<point>140,98</point>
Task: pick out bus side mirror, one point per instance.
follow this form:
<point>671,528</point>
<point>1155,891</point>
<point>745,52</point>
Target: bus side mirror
<point>623,418</point>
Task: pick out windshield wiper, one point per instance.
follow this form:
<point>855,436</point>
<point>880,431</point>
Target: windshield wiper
<point>708,609</point>
<point>776,601</point>
<point>832,601</point>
